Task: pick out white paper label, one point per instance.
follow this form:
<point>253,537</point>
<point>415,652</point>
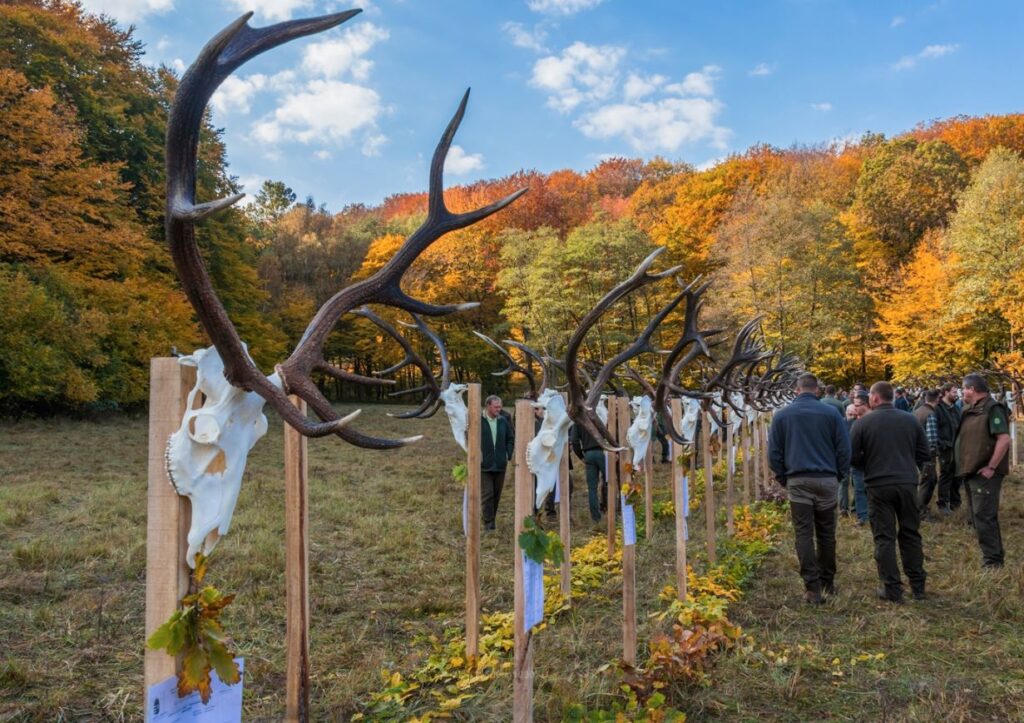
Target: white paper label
<point>465,512</point>
<point>628,523</point>
<point>533,591</point>
<point>558,491</point>
<point>686,496</point>
<point>164,706</point>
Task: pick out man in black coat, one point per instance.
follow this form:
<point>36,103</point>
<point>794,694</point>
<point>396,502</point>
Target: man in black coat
<point>948,417</point>
<point>497,444</point>
<point>891,447</point>
<point>809,452</point>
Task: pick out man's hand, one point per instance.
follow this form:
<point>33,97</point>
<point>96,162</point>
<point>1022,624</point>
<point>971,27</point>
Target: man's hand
<point>987,472</point>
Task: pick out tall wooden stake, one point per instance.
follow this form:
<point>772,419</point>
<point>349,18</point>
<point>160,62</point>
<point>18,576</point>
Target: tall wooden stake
<point>744,444</point>
<point>473,512</point>
<point>755,433</point>
<point>564,513</point>
<point>296,568</point>
<point>522,677</point>
<point>709,486</point>
<point>628,551</point>
<point>168,515</point>
<point>729,501</point>
<point>612,473</point>
<point>678,502</point>
<point>764,453</point>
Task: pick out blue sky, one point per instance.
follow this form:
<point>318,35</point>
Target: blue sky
<point>353,115</point>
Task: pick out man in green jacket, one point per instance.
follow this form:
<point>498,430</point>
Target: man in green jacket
<point>497,445</point>
<point>981,460</point>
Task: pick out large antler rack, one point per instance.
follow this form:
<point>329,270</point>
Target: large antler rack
<point>224,54</point>
<point>582,404</point>
<point>515,367</point>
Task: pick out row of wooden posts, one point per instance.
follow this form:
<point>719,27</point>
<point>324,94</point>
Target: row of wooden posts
<point>168,575</point>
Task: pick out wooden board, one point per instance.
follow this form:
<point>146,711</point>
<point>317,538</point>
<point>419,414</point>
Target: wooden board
<point>612,474</point>
<point>473,512</point>
<point>680,512</point>
<point>296,569</point>
<point>522,674</point>
<point>709,487</point>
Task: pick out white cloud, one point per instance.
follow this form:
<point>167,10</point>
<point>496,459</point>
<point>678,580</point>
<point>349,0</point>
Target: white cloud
<point>582,73</point>
<point>323,155</point>
<point>373,143</point>
<point>638,86</point>
<point>128,11</point>
<point>897,21</point>
<point>710,163</point>
<point>236,93</point>
<point>179,65</point>
<point>700,82</point>
<point>459,163</point>
<point>325,111</point>
<point>271,9</point>
<point>823,107</point>
<point>163,44</point>
<point>658,126</point>
<point>523,38</point>
<point>762,69</point>
<point>929,52</point>
<point>561,7</point>
<point>333,58</point>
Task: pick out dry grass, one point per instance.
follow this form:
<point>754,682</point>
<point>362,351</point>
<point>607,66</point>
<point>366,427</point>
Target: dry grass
<point>387,565</point>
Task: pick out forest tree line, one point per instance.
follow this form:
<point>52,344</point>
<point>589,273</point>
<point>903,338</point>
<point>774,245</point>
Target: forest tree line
<point>884,257</point>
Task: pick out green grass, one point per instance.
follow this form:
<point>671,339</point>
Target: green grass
<point>386,566</point>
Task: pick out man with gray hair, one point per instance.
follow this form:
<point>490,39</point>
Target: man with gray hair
<point>982,461</point>
<point>891,447</point>
<point>497,444</point>
<point>809,452</point>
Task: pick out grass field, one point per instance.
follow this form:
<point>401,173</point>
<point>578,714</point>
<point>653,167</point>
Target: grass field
<point>387,568</point>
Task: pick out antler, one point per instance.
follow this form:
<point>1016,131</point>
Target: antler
<point>513,365</point>
<point>581,405</point>
<point>218,59</point>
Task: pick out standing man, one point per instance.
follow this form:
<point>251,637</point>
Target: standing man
<point>497,445</point>
<point>981,461</point>
<point>831,399</point>
<point>586,448</point>
<point>902,403</point>
<point>948,417</point>
<point>809,452</point>
<point>860,496</point>
<point>926,417</point>
<point>890,446</point>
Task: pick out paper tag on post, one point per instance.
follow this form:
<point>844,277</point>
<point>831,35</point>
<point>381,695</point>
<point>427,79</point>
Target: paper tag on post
<point>686,496</point>
<point>558,490</point>
<point>686,530</point>
<point>465,512</point>
<point>628,523</point>
<point>164,706</point>
<point>533,592</point>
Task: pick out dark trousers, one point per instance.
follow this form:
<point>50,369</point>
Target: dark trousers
<point>926,485</point>
<point>895,518</point>
<point>491,484</point>
<point>947,478</point>
<point>812,503</point>
<point>549,501</point>
<point>594,462</point>
<point>983,495</point>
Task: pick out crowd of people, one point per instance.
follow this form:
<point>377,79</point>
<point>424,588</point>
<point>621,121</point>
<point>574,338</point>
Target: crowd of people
<point>897,453</point>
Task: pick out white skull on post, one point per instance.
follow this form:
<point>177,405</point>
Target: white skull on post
<point>639,433</point>
<point>458,414</point>
<point>544,452</point>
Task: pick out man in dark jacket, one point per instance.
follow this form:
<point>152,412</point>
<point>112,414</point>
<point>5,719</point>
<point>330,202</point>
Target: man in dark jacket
<point>586,448</point>
<point>982,461</point>
<point>809,452</point>
<point>947,417</point>
<point>497,444</point>
<point>890,446</point>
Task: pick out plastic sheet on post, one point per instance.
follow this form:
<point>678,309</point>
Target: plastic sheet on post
<point>465,512</point>
<point>628,523</point>
<point>686,496</point>
<point>533,591</point>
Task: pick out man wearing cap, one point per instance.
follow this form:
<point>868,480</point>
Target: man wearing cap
<point>982,461</point>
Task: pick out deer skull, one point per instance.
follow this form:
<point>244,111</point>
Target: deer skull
<point>458,414</point>
<point>544,452</point>
<point>639,433</point>
<point>206,456</point>
<point>691,412</point>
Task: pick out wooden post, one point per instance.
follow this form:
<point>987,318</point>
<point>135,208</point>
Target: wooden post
<point>729,501</point>
<point>522,677</point>
<point>649,491</point>
<point>748,488</point>
<point>755,434</point>
<point>628,551</point>
<point>564,513</point>
<point>764,453</point>
<point>473,512</point>
<point>678,502</point>
<point>296,568</point>
<point>612,473</point>
<point>168,515</point>
<point>709,487</point>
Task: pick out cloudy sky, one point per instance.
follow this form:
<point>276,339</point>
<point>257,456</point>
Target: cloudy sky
<point>353,115</point>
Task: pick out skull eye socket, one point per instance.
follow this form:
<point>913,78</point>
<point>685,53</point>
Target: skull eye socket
<point>204,428</point>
